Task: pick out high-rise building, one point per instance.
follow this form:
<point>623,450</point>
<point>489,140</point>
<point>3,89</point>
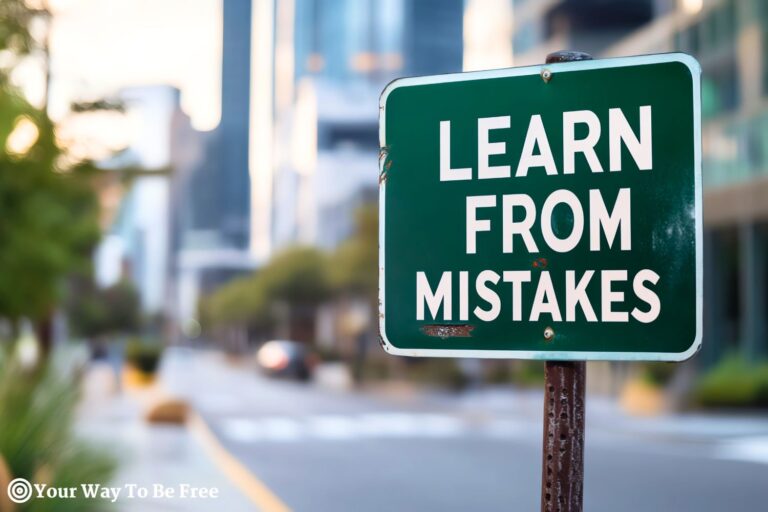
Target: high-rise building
<point>136,247</point>
<point>232,133</point>
<point>730,40</point>
<point>216,198</point>
<point>545,26</point>
<point>344,53</point>
<point>210,189</point>
<point>432,36</point>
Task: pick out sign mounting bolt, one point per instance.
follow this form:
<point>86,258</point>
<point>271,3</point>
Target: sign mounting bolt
<point>546,75</point>
<point>549,333</point>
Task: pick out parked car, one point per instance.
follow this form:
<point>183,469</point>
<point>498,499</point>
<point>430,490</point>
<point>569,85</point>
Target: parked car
<point>284,358</point>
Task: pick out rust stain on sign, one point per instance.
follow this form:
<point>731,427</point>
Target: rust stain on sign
<point>384,156</point>
<point>448,330</point>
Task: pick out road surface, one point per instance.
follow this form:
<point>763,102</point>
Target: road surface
<point>321,450</point>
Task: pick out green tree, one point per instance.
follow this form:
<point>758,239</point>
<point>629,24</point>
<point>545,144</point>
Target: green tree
<point>48,213</point>
<point>48,218</point>
<point>15,19</point>
<point>98,312</point>
<point>241,302</point>
<point>353,266</point>
<point>296,276</point>
<point>48,227</point>
<point>286,290</point>
<point>354,273</point>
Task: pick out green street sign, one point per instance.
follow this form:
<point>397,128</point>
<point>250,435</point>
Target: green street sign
<point>543,212</point>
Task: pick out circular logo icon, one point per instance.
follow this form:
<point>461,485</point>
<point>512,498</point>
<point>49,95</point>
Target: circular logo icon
<point>19,490</point>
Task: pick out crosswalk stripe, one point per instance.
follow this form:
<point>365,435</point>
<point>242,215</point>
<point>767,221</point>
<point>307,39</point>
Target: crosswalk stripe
<point>361,426</point>
<point>749,449</point>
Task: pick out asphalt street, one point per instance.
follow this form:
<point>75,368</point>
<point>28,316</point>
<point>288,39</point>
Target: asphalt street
<point>322,450</point>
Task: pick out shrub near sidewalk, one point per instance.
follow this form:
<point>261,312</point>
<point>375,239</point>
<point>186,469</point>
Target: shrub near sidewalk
<point>37,439</point>
<point>734,382</point>
<point>142,361</point>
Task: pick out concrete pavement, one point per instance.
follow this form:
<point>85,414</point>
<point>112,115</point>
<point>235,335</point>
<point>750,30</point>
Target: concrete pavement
<point>322,450</point>
<point>149,455</point>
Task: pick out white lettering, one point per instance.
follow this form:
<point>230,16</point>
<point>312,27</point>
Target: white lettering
<point>488,295</point>
<point>441,296</point>
<point>609,296</point>
<point>517,278</point>
<point>523,228</point>
<point>576,294</point>
<point>475,225</point>
<point>641,149</point>
<point>620,217</point>
<point>485,148</point>
<point>571,145</point>
<point>647,295</point>
<point>446,173</point>
<point>545,300</point>
<point>536,136</point>
<point>569,198</point>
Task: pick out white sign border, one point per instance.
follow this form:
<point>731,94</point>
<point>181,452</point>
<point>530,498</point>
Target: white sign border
<point>561,355</point>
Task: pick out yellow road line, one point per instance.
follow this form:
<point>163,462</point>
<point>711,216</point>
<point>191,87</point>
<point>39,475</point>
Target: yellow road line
<point>253,488</point>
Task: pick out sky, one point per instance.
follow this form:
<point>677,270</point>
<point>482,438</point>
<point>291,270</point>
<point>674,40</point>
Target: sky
<point>101,46</point>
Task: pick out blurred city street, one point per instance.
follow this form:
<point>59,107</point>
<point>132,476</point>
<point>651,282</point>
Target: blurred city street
<point>217,258</point>
<point>320,449</point>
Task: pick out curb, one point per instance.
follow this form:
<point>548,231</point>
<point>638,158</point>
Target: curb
<point>253,488</point>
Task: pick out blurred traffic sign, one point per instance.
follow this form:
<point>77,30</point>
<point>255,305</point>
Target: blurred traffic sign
<point>544,212</point>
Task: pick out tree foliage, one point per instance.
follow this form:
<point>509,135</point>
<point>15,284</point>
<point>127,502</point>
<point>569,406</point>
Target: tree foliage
<point>98,312</point>
<point>241,302</point>
<point>48,215</point>
<point>16,18</point>
<point>296,277</point>
<point>300,276</point>
<point>354,264</point>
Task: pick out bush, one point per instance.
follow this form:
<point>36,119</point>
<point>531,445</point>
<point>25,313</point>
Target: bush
<point>525,374</point>
<point>733,383</point>
<point>37,440</point>
<point>530,374</point>
<point>438,372</point>
<point>143,356</point>
<point>96,312</point>
<point>296,277</point>
<point>376,369</point>
<point>658,374</point>
<point>328,354</point>
<point>353,267</point>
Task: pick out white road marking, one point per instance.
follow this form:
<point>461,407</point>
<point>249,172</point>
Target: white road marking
<point>246,430</point>
<point>506,429</point>
<point>338,428</point>
<point>749,449</point>
<point>394,425</point>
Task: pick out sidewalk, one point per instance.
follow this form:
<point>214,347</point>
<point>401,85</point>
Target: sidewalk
<point>169,455</point>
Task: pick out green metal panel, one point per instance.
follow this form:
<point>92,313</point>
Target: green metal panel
<point>424,227</point>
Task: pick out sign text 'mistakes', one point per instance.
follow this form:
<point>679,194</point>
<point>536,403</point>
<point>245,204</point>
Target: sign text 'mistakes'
<point>511,220</point>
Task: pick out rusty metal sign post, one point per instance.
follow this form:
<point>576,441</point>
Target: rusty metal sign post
<point>548,212</point>
<point>562,468</point>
